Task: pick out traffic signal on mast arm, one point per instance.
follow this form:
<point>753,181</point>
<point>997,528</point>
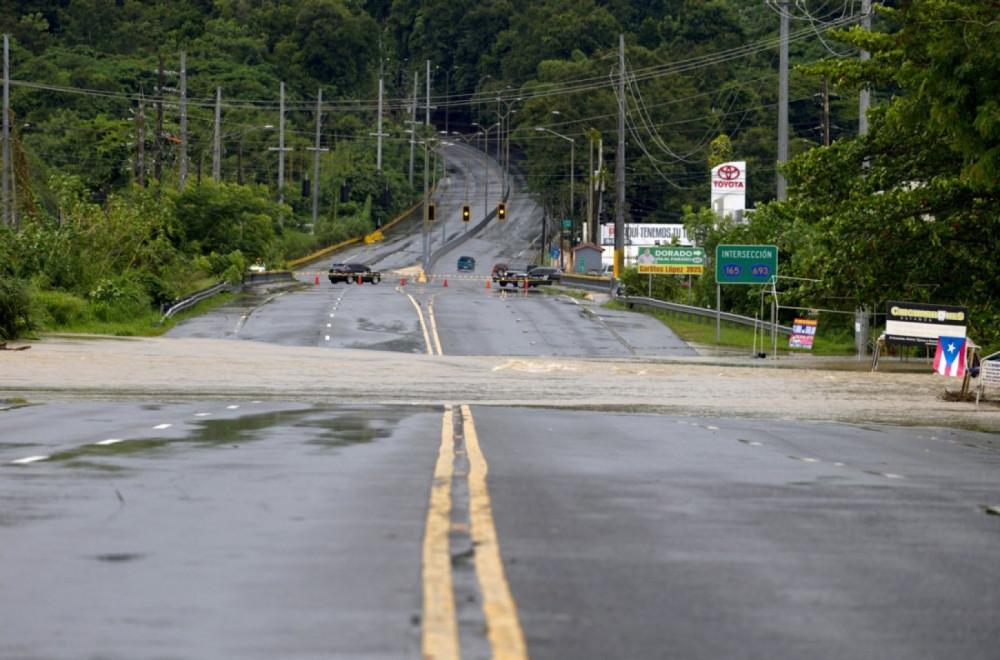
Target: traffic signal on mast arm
<point>501,211</point>
<point>466,213</point>
<point>431,213</point>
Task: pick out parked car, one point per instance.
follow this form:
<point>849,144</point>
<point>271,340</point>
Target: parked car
<point>541,275</point>
<point>353,273</point>
<point>466,263</point>
<point>607,270</point>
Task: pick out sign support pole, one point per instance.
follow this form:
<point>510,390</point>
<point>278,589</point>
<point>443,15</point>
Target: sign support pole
<point>718,313</point>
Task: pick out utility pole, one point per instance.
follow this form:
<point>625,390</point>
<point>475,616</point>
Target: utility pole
<point>590,190</point>
<point>413,122</point>
<point>217,142</point>
<point>865,94</point>
<point>184,120</point>
<point>826,111</point>
<point>281,144</point>
<point>427,113</point>
<point>140,140</point>
<point>158,136</point>
<point>620,167</point>
<point>6,130</point>
<point>381,86</point>
<point>783,99</point>
<point>317,149</point>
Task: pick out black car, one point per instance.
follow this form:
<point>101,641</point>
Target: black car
<point>353,273</point>
<point>540,275</point>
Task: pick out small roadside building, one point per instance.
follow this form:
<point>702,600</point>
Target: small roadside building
<point>586,257</point>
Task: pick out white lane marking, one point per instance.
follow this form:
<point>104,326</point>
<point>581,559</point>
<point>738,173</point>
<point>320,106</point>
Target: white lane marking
<point>160,427</point>
<point>329,325</point>
<point>328,338</point>
<point>109,441</point>
<point>887,475</point>
<point>234,407</point>
<point>804,459</point>
<point>29,459</point>
<point>712,428</point>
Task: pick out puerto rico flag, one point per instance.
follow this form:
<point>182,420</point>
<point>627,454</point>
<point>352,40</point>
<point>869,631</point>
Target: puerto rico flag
<point>949,360</point>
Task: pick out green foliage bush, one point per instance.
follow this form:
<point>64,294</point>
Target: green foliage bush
<point>118,300</point>
<point>15,309</point>
<point>56,308</point>
<point>662,287</point>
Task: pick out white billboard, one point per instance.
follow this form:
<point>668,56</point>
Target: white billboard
<point>729,188</point>
<point>646,234</point>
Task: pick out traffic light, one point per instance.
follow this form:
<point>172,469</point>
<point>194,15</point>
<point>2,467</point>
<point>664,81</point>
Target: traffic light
<point>431,213</point>
<point>466,213</point>
<point>501,211</point>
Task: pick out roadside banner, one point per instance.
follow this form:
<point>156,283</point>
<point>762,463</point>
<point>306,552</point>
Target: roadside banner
<point>921,324</point>
<point>803,332</point>
<point>672,260</point>
<point>949,359</point>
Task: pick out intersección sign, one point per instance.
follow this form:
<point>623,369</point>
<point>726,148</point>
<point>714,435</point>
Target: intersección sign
<point>671,260</point>
<point>746,264</point>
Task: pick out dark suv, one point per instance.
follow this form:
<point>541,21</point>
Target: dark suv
<point>540,275</point>
<point>353,273</point>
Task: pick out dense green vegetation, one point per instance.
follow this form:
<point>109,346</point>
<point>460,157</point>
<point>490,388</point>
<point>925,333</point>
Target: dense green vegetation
<point>104,227</point>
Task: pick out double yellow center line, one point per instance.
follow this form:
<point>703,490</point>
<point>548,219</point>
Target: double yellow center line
<point>440,628</point>
<point>440,638</point>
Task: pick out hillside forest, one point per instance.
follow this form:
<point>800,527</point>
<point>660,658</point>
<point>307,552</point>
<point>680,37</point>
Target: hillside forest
<point>142,156</point>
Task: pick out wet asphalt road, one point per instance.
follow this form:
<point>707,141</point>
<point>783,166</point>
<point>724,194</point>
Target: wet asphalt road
<point>262,530</point>
<point>250,529</point>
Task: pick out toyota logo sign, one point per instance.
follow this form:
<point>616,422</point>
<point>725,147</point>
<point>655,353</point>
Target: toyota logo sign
<point>729,172</point>
<point>729,177</point>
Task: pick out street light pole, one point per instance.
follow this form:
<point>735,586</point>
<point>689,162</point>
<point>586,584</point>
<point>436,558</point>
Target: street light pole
<point>572,166</point>
<point>486,175</point>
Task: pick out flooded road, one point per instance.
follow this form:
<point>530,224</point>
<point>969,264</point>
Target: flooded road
<point>440,469</point>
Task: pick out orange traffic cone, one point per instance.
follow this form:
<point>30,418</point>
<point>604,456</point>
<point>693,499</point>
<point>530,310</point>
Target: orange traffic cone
<point>317,279</point>
<point>402,281</point>
<point>446,281</point>
<point>487,282</point>
<point>359,279</point>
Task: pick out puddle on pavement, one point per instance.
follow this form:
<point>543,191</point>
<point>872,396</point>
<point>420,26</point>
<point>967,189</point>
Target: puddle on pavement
<point>323,427</point>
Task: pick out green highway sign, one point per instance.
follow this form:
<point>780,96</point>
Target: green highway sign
<point>746,264</point>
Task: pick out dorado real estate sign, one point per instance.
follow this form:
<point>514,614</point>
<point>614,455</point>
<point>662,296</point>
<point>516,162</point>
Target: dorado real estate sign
<point>671,260</point>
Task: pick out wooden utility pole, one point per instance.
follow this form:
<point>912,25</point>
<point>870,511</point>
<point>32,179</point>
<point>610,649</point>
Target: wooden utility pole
<point>783,99</point>
<point>158,135</point>
<point>865,94</point>
<point>184,120</point>
<point>217,142</point>
<point>6,131</point>
<point>620,166</point>
<point>140,142</point>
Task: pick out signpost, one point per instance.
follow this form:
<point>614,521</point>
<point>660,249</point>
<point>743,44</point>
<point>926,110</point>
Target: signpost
<point>743,264</point>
